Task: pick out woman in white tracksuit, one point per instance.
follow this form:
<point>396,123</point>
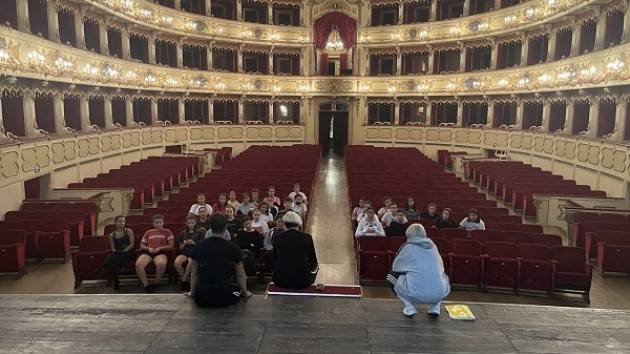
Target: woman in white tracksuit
<point>417,275</point>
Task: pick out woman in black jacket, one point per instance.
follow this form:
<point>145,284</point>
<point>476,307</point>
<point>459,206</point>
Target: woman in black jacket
<point>294,254</point>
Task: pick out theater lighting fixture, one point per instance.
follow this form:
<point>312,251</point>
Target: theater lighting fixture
<point>334,43</point>
<point>284,110</point>
<point>126,4</point>
<point>219,86</point>
<point>35,58</point>
<point>109,72</point>
<point>615,65</point>
<point>63,65</point>
<point>150,79</point>
<point>4,55</point>
<point>508,20</point>
<point>167,20</point>
<point>90,70</point>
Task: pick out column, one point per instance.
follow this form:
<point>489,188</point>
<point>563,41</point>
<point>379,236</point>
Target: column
<point>497,4</point>
<point>239,10</point>
<point>546,116</point>
<point>396,113</point>
<point>128,111</point>
<point>59,113</point>
<point>551,46</point>
<point>84,108</point>
<point>179,54</point>
<point>154,110</point>
<point>306,14</point>
<point>241,112</point>
<point>428,112</point>
<point>270,13</point>
<point>239,59</point>
<point>490,115</point>
<point>524,50</point>
<point>462,59</point>
<point>431,62</point>
<point>466,10</point>
<point>151,48</point>
<point>210,111</point>
<point>177,4</point>
<point>271,113</point>
<point>620,119</point>
<point>520,107</point>
<point>181,110</point>
<point>593,118</point>
<point>270,62</point>
<point>494,55</point>
<point>433,10</point>
<point>568,120</point>
<point>460,113</point>
<point>209,56</point>
<point>79,29</point>
<point>107,109</point>
<point>53,21</point>
<point>23,23</point>
<point>626,26</point>
<point>600,32</point>
<point>102,38</point>
<point>126,49</point>
<point>575,39</point>
<point>398,62</point>
<point>208,7</point>
<point>30,121</point>
<point>401,12</point>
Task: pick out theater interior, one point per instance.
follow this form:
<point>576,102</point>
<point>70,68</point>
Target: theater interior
<point>517,109</point>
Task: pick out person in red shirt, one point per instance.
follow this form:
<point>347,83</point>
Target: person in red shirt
<point>219,208</point>
<point>154,245</point>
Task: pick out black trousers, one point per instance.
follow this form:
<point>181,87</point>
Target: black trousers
<point>213,296</point>
<point>114,262</point>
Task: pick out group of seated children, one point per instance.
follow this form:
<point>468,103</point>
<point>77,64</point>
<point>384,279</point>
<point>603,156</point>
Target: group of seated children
<point>390,220</point>
<point>252,224</point>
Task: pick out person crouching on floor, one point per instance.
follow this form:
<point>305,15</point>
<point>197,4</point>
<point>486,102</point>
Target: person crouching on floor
<point>417,275</point>
<point>214,261</point>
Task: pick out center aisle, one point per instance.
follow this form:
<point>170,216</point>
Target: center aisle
<point>329,223</point>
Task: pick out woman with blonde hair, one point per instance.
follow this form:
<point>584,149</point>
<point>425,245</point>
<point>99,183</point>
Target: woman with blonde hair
<point>417,275</point>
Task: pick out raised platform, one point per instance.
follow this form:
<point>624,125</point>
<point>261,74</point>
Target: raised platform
<point>173,324</point>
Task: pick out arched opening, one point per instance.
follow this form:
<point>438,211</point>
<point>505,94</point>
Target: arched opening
<point>333,127</point>
<point>335,36</point>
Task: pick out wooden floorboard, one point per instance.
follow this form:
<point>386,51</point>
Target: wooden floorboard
<point>173,324</point>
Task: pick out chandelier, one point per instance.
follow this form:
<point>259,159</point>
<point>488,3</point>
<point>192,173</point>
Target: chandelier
<point>334,43</point>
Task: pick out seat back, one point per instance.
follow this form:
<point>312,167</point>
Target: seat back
<point>441,244</point>
<point>515,237</point>
<point>529,228</point>
<point>372,243</point>
<point>535,251</point>
<point>94,244</point>
<point>613,238</point>
<point>395,242</point>
<point>466,247</point>
<point>501,249</point>
<point>10,237</point>
<point>484,236</point>
<point>570,259</point>
<point>545,239</point>
<point>452,234</point>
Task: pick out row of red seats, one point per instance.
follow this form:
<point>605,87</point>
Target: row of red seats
<point>517,183</point>
<point>491,264</point>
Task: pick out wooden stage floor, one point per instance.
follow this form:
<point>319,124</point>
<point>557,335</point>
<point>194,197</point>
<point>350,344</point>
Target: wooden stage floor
<point>161,323</point>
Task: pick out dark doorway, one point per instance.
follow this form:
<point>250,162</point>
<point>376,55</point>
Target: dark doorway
<point>333,129</point>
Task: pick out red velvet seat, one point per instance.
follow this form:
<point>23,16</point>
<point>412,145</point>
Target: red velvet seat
<point>502,266</point>
<point>537,267</point>
<point>466,262</point>
<point>87,262</point>
<point>453,234</point>
<point>545,239</point>
<point>591,239</point>
<point>393,245</point>
<point>529,228</point>
<point>373,258</point>
<point>574,273</point>
<point>515,237</point>
<point>613,252</point>
<point>12,254</point>
<point>484,236</point>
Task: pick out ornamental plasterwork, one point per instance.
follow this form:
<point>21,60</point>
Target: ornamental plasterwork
<point>37,58</point>
<point>499,22</point>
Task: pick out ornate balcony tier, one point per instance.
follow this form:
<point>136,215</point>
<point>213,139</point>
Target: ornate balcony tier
<point>29,56</point>
<point>495,23</point>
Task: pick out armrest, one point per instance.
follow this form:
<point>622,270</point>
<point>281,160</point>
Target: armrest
<point>588,241</point>
<point>315,269</point>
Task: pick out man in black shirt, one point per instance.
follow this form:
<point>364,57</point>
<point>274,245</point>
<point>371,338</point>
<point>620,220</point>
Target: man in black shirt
<point>294,253</point>
<point>214,261</point>
<point>431,213</point>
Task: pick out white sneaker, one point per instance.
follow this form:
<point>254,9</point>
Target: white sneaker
<point>434,310</point>
<point>409,311</point>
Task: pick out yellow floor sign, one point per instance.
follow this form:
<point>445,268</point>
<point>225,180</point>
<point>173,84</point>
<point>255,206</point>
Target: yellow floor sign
<point>460,312</point>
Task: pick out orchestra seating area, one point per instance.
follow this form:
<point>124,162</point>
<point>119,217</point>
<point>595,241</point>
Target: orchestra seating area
<point>507,255</point>
<point>257,167</point>
<point>516,183</point>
